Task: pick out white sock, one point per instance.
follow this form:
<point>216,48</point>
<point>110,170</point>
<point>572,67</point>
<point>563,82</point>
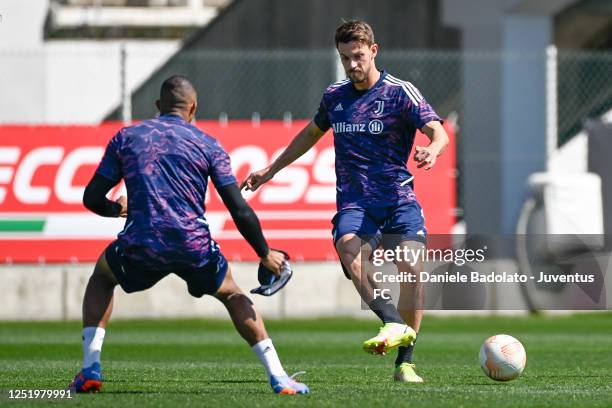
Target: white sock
<point>92,345</point>
<point>267,354</point>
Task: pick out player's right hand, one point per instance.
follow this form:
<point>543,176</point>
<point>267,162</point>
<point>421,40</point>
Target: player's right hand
<point>256,179</point>
<point>273,261</point>
<point>124,206</point>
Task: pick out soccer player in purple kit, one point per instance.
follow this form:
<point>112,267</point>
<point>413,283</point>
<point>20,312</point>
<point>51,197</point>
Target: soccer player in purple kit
<point>165,163</point>
<point>374,117</point>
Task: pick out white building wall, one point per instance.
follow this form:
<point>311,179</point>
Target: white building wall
<point>61,82</point>
<point>317,289</point>
<point>77,82</point>
<point>55,292</point>
<point>22,23</point>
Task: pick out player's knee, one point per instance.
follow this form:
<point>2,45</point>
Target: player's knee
<point>351,261</point>
<point>348,249</point>
<point>351,255</point>
<point>413,268</point>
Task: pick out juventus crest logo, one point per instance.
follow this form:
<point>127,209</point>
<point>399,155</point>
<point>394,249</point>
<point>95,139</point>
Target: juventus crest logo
<point>378,107</point>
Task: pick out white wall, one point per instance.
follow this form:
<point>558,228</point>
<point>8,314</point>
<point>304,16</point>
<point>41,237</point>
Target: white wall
<point>73,81</point>
<point>572,157</point>
<point>56,82</point>
<point>56,292</point>
<point>318,289</point>
<point>22,23</point>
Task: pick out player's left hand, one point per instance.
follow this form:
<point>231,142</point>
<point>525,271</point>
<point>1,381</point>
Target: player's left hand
<point>273,261</point>
<point>124,206</point>
<point>273,273</point>
<point>425,156</point>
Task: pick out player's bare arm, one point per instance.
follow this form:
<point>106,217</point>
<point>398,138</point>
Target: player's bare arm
<point>426,156</point>
<point>304,140</point>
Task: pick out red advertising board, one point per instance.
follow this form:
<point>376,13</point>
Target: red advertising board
<point>43,171</point>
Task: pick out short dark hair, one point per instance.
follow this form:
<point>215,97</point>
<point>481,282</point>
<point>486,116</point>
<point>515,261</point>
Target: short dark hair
<point>354,30</point>
<point>176,92</point>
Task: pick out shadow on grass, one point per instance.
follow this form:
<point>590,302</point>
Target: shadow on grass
<point>480,383</point>
<point>186,381</point>
<point>202,391</point>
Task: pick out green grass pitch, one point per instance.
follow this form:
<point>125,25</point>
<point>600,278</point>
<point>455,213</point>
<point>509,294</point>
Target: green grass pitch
<point>205,363</point>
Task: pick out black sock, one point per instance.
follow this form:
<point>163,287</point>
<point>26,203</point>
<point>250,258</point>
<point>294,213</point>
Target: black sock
<point>385,311</point>
<point>404,354</point>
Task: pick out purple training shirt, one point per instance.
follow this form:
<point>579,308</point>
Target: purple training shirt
<point>374,132</point>
<point>165,163</point>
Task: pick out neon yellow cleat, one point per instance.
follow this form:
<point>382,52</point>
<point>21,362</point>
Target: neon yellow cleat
<point>405,373</point>
<point>391,335</point>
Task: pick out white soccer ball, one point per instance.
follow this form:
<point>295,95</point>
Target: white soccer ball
<point>502,357</point>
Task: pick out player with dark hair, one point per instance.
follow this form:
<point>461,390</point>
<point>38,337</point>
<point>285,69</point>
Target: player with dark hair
<point>374,117</point>
<point>165,163</point>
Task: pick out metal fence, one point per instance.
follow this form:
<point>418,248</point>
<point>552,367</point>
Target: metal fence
<point>281,84</point>
<point>63,84</point>
<point>237,84</point>
<point>273,84</point>
<point>85,84</point>
<point>584,89</point>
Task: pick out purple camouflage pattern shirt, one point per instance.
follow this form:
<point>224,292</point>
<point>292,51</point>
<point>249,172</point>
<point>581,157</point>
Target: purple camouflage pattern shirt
<point>165,163</point>
<point>374,132</point>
